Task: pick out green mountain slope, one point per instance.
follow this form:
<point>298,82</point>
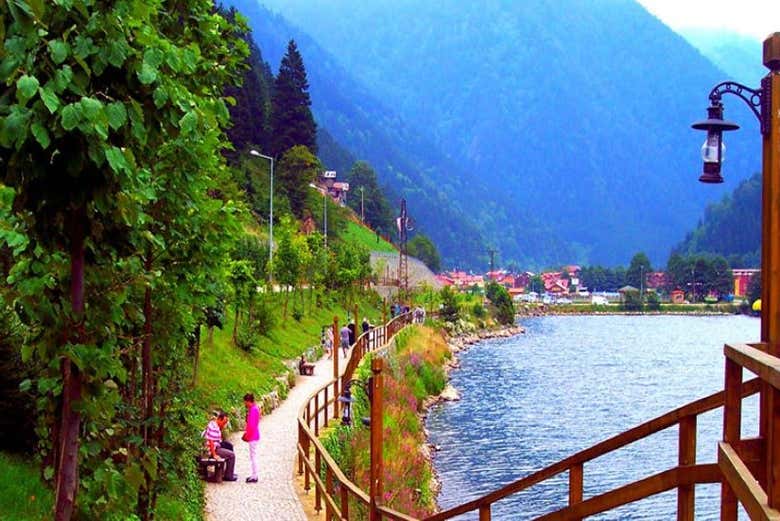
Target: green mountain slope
<point>573,114</point>
<point>731,227</point>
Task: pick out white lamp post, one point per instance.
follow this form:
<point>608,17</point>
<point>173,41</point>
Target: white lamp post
<point>255,153</point>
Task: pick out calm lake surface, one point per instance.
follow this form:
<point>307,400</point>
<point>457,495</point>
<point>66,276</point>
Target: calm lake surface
<point>573,381</point>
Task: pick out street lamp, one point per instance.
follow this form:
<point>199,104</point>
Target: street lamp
<point>255,153</point>
<point>347,400</point>
<point>765,104</point>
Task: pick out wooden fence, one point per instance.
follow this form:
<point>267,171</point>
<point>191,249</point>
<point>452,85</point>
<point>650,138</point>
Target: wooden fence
<point>748,469</point>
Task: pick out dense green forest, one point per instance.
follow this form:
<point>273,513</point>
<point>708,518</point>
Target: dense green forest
<point>132,219</point>
<point>558,132</point>
<point>731,227</point>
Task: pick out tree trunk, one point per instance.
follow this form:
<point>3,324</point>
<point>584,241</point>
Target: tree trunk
<point>235,326</point>
<point>195,357</point>
<point>68,443</point>
<point>147,398</point>
<point>210,336</point>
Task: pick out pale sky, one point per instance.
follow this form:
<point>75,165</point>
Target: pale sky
<point>756,18</point>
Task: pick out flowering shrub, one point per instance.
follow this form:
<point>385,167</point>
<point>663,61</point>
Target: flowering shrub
<point>414,371</point>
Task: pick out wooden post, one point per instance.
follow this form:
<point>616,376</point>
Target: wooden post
<point>328,492</point>
<point>484,513</point>
<point>732,420</point>
<point>325,409</point>
<point>377,428</point>
<point>344,501</point>
<point>770,266</point>
<point>772,449</point>
<point>576,484</point>
<point>336,349</point>
<point>306,473</point>
<point>317,414</point>
<point>686,494</point>
<point>301,436</point>
<point>317,491</point>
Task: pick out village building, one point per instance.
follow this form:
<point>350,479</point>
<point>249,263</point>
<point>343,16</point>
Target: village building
<point>742,278</point>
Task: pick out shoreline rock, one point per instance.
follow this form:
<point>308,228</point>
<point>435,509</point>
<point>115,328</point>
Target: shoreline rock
<point>458,343</point>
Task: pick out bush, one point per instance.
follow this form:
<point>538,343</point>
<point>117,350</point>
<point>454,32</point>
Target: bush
<point>263,320</point>
<point>449,305</point>
<point>478,310</point>
<point>247,337</point>
<point>653,302</point>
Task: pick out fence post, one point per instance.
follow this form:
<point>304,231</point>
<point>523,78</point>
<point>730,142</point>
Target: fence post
<point>732,418</point>
<point>376,467</point>
<point>484,513</point>
<point>576,479</point>
<point>328,491</point>
<point>686,494</point>
<point>335,351</point>
<point>317,414</point>
<point>317,491</point>
<point>300,448</point>
<point>772,451</point>
<point>344,501</point>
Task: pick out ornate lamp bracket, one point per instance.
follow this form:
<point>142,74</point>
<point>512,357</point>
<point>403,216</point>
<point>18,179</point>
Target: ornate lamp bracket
<point>757,100</point>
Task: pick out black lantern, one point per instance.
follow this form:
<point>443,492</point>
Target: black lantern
<point>713,151</point>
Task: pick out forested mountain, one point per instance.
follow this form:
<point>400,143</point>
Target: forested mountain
<point>731,227</point>
<point>738,56</point>
<point>572,114</point>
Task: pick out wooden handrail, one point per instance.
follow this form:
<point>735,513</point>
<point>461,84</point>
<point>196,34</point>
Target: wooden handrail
<point>618,441</point>
<point>683,477</point>
<point>766,366</point>
<point>338,504</point>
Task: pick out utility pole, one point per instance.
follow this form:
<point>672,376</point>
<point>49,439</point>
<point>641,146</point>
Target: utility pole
<point>362,211</point>
<point>325,217</point>
<point>492,253</point>
<point>404,224</point>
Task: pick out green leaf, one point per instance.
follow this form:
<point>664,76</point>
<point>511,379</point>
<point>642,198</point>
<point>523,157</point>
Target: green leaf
<point>71,116</point>
<point>48,473</point>
<point>160,97</point>
<point>62,78</point>
<point>59,51</point>
<point>147,75</point>
<point>154,58</point>
<point>41,135</point>
<point>116,160</point>
<point>117,53</point>
<point>117,114</point>
<point>91,108</point>
<point>188,122</point>
<point>50,99</point>
<point>26,87</point>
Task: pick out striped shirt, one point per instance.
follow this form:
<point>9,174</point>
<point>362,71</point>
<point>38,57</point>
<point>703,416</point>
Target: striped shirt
<point>213,432</point>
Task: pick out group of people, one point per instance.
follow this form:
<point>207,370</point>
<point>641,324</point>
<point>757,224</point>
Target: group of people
<point>347,336</point>
<point>220,449</point>
<point>418,313</point>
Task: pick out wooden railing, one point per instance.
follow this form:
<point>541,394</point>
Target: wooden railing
<point>748,469</point>
<point>336,491</point>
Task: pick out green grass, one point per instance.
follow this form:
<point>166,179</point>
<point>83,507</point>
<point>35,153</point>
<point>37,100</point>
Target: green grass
<point>23,496</point>
<point>226,372</point>
<point>354,233</point>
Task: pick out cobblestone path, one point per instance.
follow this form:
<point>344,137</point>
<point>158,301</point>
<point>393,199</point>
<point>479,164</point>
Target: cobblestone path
<point>273,498</point>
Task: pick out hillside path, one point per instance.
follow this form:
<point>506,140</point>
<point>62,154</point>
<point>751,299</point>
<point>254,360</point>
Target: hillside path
<point>273,498</point>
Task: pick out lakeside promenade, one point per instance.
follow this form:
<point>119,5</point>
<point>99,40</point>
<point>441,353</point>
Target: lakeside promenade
<point>273,497</point>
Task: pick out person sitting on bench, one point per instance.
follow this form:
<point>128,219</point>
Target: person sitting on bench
<point>305,368</point>
<point>219,449</point>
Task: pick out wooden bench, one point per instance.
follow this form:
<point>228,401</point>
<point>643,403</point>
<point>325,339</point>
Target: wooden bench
<point>305,368</point>
<point>204,462</point>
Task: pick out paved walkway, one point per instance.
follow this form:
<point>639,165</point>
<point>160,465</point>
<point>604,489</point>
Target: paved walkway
<point>273,498</point>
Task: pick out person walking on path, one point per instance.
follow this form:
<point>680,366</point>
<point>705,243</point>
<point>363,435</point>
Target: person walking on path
<point>344,334</point>
<point>252,433</point>
<point>219,449</point>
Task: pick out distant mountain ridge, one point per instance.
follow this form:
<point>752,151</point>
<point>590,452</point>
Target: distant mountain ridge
<point>738,56</point>
<point>564,132</point>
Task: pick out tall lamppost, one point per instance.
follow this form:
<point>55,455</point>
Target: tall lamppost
<point>765,104</point>
<point>255,153</point>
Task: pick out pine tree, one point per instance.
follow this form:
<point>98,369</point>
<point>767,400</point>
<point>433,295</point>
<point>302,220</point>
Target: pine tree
<point>292,122</point>
<point>376,208</point>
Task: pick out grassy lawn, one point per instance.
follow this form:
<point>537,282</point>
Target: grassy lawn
<point>23,496</point>
<point>357,234</point>
<point>226,372</point>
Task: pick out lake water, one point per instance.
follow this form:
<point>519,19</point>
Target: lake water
<point>570,382</point>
